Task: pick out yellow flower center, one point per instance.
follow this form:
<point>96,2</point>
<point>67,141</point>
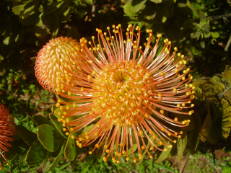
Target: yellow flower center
<point>121,91</point>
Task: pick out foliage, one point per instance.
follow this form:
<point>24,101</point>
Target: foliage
<point>215,92</point>
<point>201,25</point>
<point>200,28</point>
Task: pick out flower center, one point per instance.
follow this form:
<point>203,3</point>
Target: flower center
<point>121,92</point>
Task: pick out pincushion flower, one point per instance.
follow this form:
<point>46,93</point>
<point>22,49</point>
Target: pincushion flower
<point>6,130</point>
<point>54,61</point>
<point>127,99</point>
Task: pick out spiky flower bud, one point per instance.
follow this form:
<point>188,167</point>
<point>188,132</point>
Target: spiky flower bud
<point>56,62</point>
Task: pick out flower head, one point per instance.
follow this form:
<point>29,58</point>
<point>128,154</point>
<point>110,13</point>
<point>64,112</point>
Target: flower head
<point>6,130</point>
<point>128,100</point>
<point>55,62</point>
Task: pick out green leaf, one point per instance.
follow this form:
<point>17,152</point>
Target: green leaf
<point>1,58</point>
<point>164,19</point>
<point>70,149</point>
<point>215,34</point>
<point>89,2</point>
<point>202,43</point>
<point>156,1</point>
<point>6,41</point>
<point>17,10</point>
<point>38,120</point>
<point>227,74</point>
<point>181,145</point>
<point>55,161</point>
<point>132,10</point>
<point>164,154</point>
<point>45,136</point>
<point>35,154</point>
<point>57,125</point>
<point>27,136</point>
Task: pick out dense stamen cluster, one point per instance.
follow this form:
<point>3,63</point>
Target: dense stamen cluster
<point>6,130</point>
<point>127,99</point>
<point>121,91</point>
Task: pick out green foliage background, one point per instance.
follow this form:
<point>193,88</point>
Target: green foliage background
<point>200,28</point>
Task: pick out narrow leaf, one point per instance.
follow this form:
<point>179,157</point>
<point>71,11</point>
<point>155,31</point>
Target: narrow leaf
<point>70,149</point>
<point>165,153</point>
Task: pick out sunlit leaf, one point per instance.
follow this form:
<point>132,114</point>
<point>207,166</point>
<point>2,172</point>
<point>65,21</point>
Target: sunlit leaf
<point>215,34</point>
<point>164,154</point>
<point>6,41</point>
<point>90,2</point>
<point>164,19</point>
<point>132,9</point>
<point>156,1</point>
<point>181,145</point>
<point>17,10</point>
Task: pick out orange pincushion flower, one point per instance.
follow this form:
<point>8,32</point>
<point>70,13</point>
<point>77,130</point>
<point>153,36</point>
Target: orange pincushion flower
<point>6,130</point>
<point>54,63</point>
<point>128,100</point>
